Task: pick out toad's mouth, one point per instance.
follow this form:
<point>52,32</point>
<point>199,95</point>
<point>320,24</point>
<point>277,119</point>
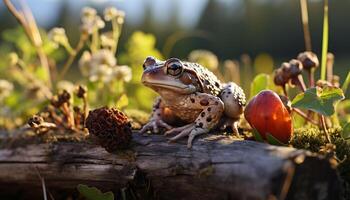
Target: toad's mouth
<point>174,86</point>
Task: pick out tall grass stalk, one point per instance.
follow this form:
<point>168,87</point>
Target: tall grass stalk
<point>305,21</point>
<point>324,41</point>
<point>28,23</point>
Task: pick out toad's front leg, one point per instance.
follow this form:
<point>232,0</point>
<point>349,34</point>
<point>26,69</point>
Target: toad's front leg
<point>155,122</point>
<point>212,109</point>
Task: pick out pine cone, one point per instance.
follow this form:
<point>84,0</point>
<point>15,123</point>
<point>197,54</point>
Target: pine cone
<point>111,127</point>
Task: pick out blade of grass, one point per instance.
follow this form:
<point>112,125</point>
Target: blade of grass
<point>305,21</point>
<point>346,83</point>
<point>324,41</point>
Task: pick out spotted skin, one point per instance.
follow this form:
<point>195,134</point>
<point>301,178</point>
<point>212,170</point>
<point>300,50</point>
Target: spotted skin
<point>192,99</point>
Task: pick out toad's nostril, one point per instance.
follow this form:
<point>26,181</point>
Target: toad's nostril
<point>149,61</point>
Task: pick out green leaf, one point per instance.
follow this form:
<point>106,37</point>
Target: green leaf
<point>324,41</point>
<point>346,131</point>
<point>257,135</point>
<point>346,83</point>
<point>260,82</point>
<point>319,100</point>
<point>274,141</point>
<point>92,193</point>
<point>123,101</point>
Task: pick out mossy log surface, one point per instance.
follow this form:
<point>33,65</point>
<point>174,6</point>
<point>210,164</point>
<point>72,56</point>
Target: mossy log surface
<point>217,167</point>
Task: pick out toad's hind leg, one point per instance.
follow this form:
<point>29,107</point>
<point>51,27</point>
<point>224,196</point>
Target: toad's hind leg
<point>212,108</point>
<point>234,99</point>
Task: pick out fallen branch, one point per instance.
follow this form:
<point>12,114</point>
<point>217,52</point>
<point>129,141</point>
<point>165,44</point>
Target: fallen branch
<point>218,167</point>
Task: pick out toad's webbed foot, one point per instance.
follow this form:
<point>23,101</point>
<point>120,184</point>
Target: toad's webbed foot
<point>178,129</point>
<point>212,108</point>
<point>181,132</point>
<point>191,131</point>
<point>156,121</point>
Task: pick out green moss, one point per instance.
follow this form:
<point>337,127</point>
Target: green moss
<point>308,138</point>
<point>313,139</point>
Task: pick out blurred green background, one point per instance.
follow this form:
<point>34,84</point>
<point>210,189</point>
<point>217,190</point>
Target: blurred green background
<point>254,35</point>
<point>229,28</point>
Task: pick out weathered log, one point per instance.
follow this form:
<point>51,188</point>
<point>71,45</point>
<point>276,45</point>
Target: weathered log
<point>217,167</point>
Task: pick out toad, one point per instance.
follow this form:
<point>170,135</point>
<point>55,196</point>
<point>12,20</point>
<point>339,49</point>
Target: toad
<point>191,98</point>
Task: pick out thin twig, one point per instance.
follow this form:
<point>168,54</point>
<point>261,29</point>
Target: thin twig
<point>299,81</point>
<point>116,34</point>
<point>284,87</point>
<point>329,66</point>
<point>19,17</point>
<point>31,30</point>
<point>287,181</point>
<point>29,76</point>
<point>324,127</point>
<point>311,73</point>
<point>305,21</point>
<point>85,107</point>
<point>302,114</point>
<point>82,39</point>
<point>42,182</point>
<point>37,40</point>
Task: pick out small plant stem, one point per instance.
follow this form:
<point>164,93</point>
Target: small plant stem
<point>330,64</point>
<point>324,127</point>
<point>28,23</point>
<point>69,115</point>
<point>95,41</point>
<point>77,119</point>
<point>116,34</point>
<point>324,41</point>
<point>305,116</point>
<point>82,39</point>
<point>346,83</point>
<point>57,120</point>
<point>85,107</point>
<point>285,90</point>
<point>305,21</point>
<point>29,76</point>
<point>299,81</point>
<point>311,74</point>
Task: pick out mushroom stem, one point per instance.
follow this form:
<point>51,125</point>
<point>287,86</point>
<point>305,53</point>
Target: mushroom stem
<point>329,64</point>
<point>56,119</point>
<point>77,120</point>
<point>324,127</point>
<point>285,90</point>
<point>85,109</point>
<point>311,73</point>
<point>68,114</point>
<point>299,81</point>
<point>305,116</point>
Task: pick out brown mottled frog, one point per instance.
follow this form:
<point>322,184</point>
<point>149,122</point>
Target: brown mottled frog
<point>191,98</point>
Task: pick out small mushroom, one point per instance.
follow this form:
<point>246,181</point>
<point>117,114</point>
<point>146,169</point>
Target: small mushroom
<point>296,78</point>
<point>310,63</point>
<point>290,73</point>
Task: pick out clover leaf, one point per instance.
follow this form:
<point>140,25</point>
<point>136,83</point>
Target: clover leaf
<point>319,100</point>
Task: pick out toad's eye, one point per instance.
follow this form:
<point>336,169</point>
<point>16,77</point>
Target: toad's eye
<point>174,68</point>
